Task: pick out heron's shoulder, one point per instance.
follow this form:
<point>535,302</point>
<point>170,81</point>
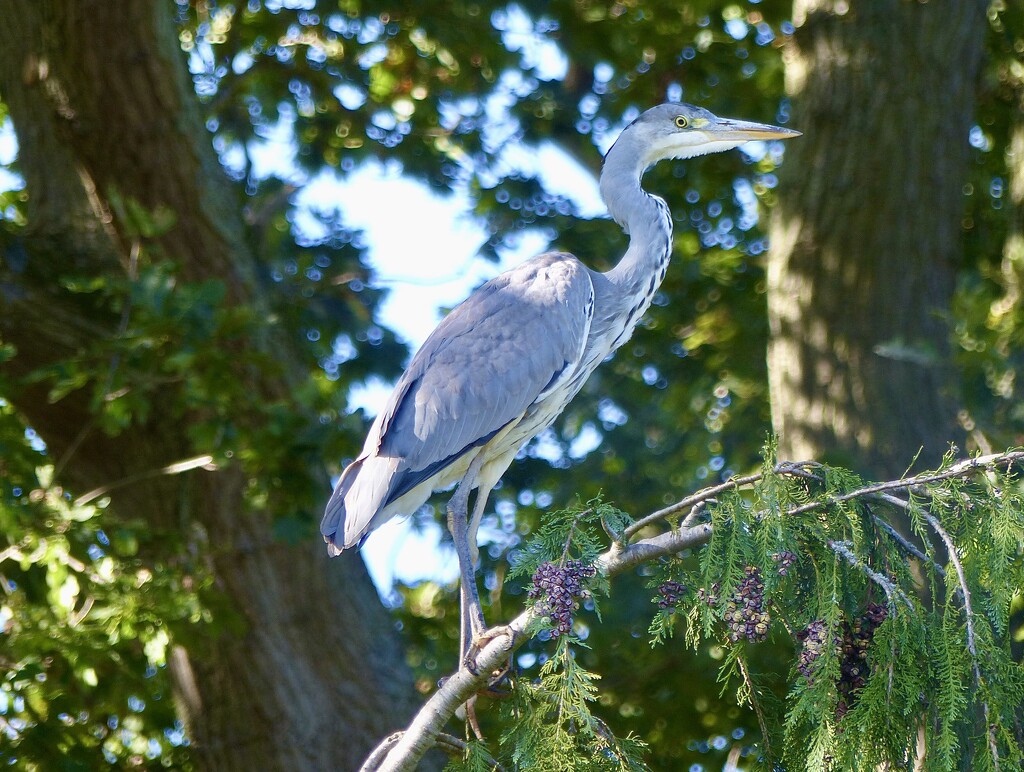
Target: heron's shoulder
<point>557,276</point>
<point>559,262</point>
<point>519,307</point>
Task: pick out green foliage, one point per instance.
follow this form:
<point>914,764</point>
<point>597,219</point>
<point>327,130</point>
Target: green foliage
<point>668,570</point>
<point>474,759</point>
<point>94,599</point>
<point>570,534</point>
<point>86,624</point>
<point>551,726</point>
<point>921,669</point>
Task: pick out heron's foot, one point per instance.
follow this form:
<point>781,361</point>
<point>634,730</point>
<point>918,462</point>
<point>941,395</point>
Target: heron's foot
<point>499,685</point>
<point>480,638</point>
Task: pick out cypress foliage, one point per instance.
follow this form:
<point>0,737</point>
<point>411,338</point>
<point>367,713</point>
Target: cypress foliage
<point>901,641</point>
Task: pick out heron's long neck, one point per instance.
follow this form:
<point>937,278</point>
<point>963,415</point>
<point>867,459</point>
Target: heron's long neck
<point>647,220</point>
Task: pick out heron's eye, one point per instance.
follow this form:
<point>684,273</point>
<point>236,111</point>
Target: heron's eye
<point>682,122</point>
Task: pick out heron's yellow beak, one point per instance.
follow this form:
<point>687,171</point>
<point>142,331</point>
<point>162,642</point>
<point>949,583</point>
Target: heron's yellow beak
<point>744,131</point>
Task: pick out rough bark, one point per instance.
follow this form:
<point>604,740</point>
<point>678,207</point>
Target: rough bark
<point>104,111</point>
<point>866,238</point>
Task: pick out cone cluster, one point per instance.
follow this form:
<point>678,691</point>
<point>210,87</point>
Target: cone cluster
<point>745,613</point>
<point>857,637</point>
<point>851,647</point>
<point>670,593</point>
<point>557,590</point>
<point>784,559</point>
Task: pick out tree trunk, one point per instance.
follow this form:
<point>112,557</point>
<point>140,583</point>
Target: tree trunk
<point>104,113</point>
<point>867,234</point>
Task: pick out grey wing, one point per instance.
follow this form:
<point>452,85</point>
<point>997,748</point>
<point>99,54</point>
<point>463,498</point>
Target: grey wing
<point>489,360</point>
<point>515,338</point>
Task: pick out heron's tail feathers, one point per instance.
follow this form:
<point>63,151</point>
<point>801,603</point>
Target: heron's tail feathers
<point>357,504</point>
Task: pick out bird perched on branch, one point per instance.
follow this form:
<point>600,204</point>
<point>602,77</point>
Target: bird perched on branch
<point>503,364</point>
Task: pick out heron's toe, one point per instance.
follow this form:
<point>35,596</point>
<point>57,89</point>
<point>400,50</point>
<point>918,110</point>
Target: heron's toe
<point>479,641</point>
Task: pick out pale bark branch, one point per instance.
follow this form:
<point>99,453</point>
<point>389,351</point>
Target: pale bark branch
<point>845,550</point>
<point>204,461</point>
<point>903,542</point>
<point>422,733</point>
<point>794,468</point>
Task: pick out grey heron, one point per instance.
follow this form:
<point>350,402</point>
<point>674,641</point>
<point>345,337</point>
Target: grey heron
<point>503,364</point>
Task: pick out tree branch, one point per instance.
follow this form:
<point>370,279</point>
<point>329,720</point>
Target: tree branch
<point>204,461</point>
<point>426,726</point>
<point>907,546</point>
<point>794,468</point>
<point>844,550</point>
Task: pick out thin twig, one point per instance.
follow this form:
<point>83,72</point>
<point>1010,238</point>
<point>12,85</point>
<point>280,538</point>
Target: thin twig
<point>696,498</point>
<point>955,560</point>
<point>696,511</point>
<point>75,617</point>
<point>71,449</point>
<point>456,747</point>
<point>908,546</point>
<point>185,465</point>
<point>115,361</point>
<point>962,469</point>
<point>15,552</point>
<point>845,550</point>
<point>793,468</point>
<point>762,723</point>
<point>572,529</point>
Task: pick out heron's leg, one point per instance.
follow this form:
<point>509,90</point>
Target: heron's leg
<point>474,632</point>
<point>458,523</point>
<point>483,492</point>
<point>478,634</point>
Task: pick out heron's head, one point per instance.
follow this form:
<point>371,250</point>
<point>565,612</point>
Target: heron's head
<point>685,131</point>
